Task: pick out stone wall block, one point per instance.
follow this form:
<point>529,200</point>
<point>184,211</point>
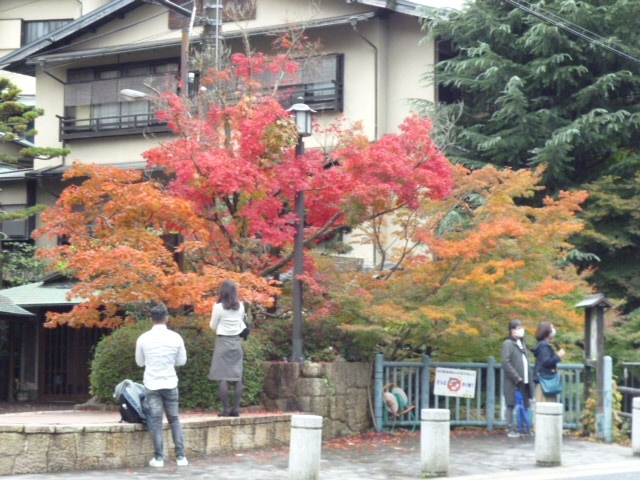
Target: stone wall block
<point>263,435</point>
<point>347,375</point>
<point>319,406</point>
<point>62,452</point>
<point>116,442</point>
<point>312,370</point>
<point>138,443</point>
<point>37,443</point>
<point>312,387</point>
<point>357,417</point>
<point>243,437</point>
<point>12,444</point>
<point>226,438</point>
<point>282,433</point>
<point>91,444</point>
<point>280,379</point>
<point>6,464</point>
<point>88,463</point>
<point>334,429</point>
<point>338,407</point>
<point>36,463</point>
<point>195,441</point>
<point>305,404</point>
<point>213,440</point>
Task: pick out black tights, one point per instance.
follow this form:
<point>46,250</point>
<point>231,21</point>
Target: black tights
<point>224,397</point>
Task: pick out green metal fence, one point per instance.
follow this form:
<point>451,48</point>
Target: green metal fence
<point>485,409</point>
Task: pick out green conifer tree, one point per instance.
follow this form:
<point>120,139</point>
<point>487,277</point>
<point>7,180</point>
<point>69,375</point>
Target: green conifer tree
<point>16,124</point>
<point>553,83</point>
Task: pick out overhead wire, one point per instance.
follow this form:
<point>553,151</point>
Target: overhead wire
<point>570,27</point>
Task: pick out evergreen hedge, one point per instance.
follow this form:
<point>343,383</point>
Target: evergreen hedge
<point>114,360</point>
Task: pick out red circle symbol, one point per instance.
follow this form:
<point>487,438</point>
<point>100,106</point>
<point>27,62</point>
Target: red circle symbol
<point>454,384</point>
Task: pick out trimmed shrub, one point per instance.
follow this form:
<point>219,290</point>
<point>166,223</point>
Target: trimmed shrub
<point>114,361</point>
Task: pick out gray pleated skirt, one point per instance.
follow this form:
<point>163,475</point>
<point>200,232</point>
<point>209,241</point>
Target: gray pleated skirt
<point>227,360</point>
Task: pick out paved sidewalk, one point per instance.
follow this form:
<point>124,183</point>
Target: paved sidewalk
<point>473,456</point>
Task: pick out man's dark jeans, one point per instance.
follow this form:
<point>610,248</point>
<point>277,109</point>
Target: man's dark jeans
<point>159,402</point>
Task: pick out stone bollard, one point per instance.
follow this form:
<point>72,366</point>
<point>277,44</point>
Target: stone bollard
<point>635,426</point>
<point>548,439</point>
<point>304,447</point>
<point>434,441</point>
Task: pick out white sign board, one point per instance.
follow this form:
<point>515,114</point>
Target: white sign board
<point>453,382</point>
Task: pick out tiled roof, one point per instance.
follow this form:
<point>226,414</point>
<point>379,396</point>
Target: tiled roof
<point>39,294</point>
<point>8,307</point>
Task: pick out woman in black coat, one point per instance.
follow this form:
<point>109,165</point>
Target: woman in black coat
<point>547,358</point>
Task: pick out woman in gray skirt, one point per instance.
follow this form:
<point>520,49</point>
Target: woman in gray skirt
<point>227,320</point>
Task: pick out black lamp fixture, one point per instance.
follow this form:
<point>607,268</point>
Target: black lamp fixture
<point>302,116</point>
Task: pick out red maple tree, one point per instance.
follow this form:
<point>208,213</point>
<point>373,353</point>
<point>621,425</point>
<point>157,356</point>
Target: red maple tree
<point>232,178</point>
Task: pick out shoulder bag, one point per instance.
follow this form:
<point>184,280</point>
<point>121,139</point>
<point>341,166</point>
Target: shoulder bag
<point>550,384</point>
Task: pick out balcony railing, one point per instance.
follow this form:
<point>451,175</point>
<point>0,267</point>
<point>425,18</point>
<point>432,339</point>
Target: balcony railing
<point>75,128</point>
<point>319,97</point>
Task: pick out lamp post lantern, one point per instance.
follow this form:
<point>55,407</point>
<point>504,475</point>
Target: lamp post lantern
<point>302,117</point>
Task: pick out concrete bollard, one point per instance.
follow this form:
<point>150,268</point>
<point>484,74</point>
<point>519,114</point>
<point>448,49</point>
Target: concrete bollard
<point>434,441</point>
<point>304,447</point>
<point>548,439</point>
<point>635,426</point>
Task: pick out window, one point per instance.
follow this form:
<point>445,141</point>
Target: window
<point>32,31</point>
<point>93,102</point>
<point>319,81</point>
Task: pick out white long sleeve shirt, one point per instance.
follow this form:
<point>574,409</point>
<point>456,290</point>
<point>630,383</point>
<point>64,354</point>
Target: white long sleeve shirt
<point>159,351</point>
<point>227,322</point>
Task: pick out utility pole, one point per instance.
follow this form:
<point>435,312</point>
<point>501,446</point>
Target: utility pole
<point>211,33</point>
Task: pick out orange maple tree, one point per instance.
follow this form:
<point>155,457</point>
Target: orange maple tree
<point>465,266</point>
<point>232,176</point>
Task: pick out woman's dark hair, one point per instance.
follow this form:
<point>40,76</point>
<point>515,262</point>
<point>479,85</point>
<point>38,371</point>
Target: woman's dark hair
<point>229,295</point>
<point>515,323</point>
<point>544,330</point>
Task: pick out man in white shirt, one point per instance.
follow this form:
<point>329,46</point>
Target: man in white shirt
<point>159,351</point>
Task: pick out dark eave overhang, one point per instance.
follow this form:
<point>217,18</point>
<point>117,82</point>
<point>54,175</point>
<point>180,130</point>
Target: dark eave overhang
<point>54,58</point>
<point>17,60</point>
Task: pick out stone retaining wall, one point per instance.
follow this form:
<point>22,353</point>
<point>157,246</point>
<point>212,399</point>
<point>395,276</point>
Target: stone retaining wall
<point>339,392</point>
<point>58,448</point>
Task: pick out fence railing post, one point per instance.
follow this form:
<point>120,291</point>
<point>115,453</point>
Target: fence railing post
<point>425,377</point>
<point>635,426</point>
<point>607,400</point>
<point>377,391</point>
<point>491,392</point>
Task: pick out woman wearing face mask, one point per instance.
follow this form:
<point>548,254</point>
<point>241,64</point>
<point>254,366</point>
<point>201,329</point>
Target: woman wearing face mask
<point>517,372</point>
<point>547,358</point>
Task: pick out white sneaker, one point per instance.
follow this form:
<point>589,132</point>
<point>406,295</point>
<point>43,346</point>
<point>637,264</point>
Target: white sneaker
<point>156,462</point>
<point>512,434</point>
<point>182,461</point>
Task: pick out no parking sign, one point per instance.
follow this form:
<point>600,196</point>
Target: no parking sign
<point>453,382</point>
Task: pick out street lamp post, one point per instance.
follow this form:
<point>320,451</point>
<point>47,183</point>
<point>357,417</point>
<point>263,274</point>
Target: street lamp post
<point>302,116</point>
